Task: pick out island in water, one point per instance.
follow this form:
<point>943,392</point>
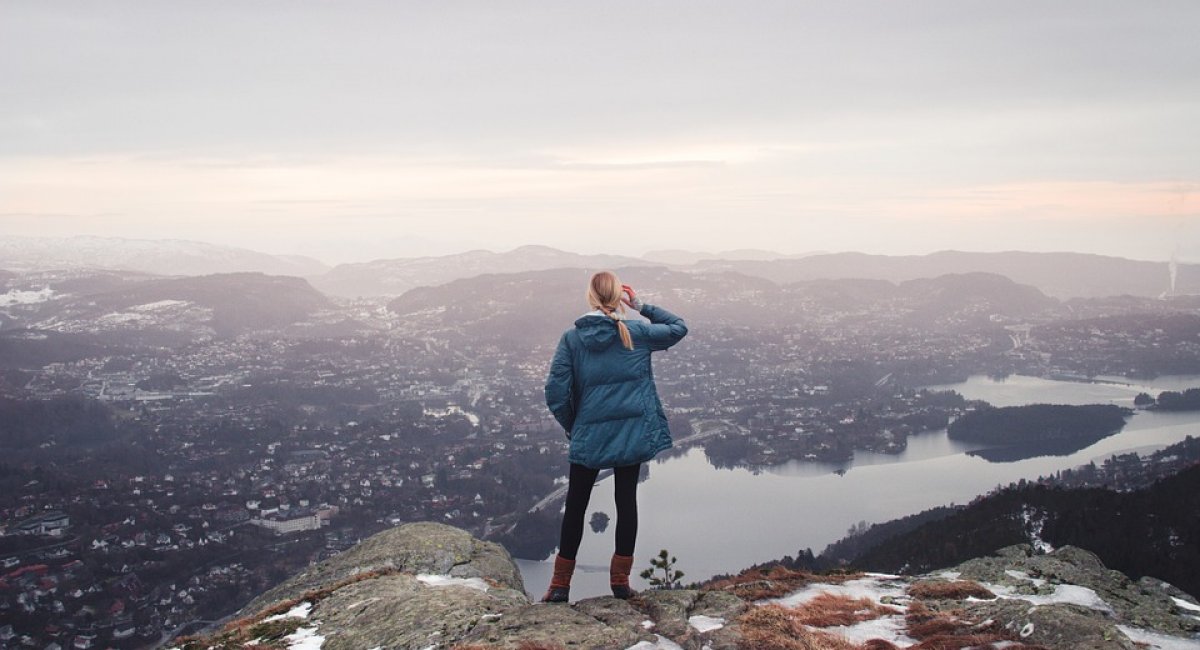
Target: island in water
<point>1020,432</point>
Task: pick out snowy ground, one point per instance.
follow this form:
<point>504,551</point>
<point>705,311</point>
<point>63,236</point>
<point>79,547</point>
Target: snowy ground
<point>447,581</point>
<point>19,297</point>
<point>877,587</point>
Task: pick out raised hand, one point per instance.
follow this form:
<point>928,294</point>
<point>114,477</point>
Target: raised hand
<point>632,301</point>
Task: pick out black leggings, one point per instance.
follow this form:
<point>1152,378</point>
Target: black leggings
<point>579,491</point>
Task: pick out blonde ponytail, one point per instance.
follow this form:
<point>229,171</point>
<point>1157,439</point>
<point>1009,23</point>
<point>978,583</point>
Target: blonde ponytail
<point>626,340</point>
<point>604,293</point>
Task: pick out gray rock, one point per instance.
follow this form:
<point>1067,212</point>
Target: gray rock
<point>719,604</point>
<point>422,547</point>
<point>565,625</point>
<point>1145,604</point>
<point>1060,626</point>
<point>397,611</point>
<point>670,609</point>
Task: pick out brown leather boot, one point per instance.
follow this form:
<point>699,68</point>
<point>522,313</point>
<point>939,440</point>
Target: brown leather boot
<point>560,582</point>
<point>618,575</point>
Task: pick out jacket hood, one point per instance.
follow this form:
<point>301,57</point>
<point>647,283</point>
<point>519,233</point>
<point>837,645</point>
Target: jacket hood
<point>596,331</point>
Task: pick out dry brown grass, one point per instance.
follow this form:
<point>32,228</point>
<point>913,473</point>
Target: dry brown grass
<point>959,641</point>
<point>773,582</point>
<point>826,610</point>
<point>946,631</point>
<point>774,627</point>
<point>948,590</point>
<point>237,632</point>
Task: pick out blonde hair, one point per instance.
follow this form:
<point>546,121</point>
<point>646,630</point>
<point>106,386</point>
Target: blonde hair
<point>604,293</point>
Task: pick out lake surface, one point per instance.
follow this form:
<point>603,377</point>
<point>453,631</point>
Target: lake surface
<point>724,520</point>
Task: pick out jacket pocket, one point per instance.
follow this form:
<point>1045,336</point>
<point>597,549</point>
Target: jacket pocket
<point>580,437</point>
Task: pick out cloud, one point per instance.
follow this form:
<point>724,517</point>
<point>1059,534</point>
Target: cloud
<point>878,124</point>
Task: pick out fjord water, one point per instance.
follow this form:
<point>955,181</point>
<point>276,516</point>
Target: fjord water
<point>722,520</point>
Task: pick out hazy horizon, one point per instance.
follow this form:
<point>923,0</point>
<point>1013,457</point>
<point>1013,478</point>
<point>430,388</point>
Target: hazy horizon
<point>377,130</point>
<point>641,254</point>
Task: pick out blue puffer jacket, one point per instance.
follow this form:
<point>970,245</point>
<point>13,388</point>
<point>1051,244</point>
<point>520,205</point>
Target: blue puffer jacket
<point>603,395</point>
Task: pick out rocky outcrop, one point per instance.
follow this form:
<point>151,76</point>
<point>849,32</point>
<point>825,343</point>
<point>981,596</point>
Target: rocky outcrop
<point>416,548</point>
<point>1068,573</point>
<point>429,586</point>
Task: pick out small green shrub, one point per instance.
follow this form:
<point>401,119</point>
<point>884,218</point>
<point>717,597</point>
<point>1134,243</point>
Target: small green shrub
<point>664,562</point>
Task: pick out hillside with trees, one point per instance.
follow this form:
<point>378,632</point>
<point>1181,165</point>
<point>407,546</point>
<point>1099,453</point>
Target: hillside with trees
<point>1149,532</point>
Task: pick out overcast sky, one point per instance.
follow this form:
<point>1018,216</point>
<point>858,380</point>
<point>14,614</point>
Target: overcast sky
<point>359,130</point>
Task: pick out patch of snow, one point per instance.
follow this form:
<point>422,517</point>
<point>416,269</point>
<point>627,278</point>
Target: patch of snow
<point>874,587</point>
<point>1033,525</point>
<point>889,628</point>
<point>1183,604</point>
<point>662,643</point>
<point>1070,594</point>
<point>161,304</point>
<point>1158,640</point>
<point>950,575</point>
<point>305,638</point>
<point>120,317</point>
<point>19,297</point>
<point>448,581</point>
<point>299,611</point>
<point>647,624</point>
<point>702,623</point>
<point>1021,575</point>
<point>360,603</point>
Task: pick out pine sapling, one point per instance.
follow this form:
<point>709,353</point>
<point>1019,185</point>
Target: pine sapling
<point>665,563</point>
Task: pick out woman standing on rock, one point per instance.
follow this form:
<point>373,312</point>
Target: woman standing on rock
<point>601,390</point>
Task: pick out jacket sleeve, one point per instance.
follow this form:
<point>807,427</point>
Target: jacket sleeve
<point>665,329</point>
<point>559,384</point>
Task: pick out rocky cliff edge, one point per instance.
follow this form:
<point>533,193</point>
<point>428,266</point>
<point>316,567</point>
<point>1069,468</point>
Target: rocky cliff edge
<point>429,586</point>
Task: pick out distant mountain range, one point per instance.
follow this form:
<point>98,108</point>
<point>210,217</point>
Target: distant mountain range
<point>395,276</point>
<point>681,257</point>
<point>537,305</point>
<point>1060,275</point>
<point>157,256</point>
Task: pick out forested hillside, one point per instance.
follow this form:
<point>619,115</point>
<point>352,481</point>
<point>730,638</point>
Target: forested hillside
<point>1152,532</point>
